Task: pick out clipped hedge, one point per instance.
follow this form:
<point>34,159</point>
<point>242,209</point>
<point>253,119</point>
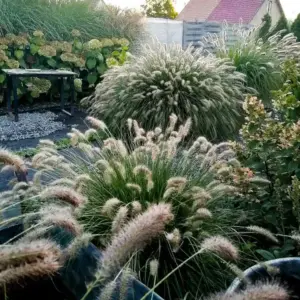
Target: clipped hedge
<point>89,60</point>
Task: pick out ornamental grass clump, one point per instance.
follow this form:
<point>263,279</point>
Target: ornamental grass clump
<point>260,60</point>
<point>151,198</point>
<point>167,79</point>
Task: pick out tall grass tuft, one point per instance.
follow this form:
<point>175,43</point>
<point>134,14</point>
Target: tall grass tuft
<point>166,79</point>
<point>155,199</point>
<point>260,60</point>
<point>57,19</point>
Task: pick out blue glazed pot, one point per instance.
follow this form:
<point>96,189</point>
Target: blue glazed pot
<point>288,275</point>
<point>81,270</point>
<point>71,282</point>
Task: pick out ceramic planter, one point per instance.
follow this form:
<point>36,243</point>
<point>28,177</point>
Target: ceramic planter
<point>287,272</point>
<point>70,283</point>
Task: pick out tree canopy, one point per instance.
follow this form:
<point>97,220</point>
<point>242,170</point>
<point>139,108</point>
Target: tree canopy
<point>265,28</point>
<point>296,27</point>
<point>160,9</point>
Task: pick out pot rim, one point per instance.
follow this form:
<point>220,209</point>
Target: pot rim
<point>273,262</point>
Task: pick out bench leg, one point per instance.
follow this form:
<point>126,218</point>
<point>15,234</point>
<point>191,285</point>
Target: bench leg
<point>8,95</point>
<point>62,90</point>
<point>73,95</point>
<point>16,100</point>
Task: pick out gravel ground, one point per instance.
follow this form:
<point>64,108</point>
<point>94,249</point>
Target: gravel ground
<point>30,125</point>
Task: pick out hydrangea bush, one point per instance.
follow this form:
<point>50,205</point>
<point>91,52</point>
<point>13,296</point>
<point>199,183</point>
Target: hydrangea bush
<point>167,79</point>
<point>271,148</point>
<point>89,60</point>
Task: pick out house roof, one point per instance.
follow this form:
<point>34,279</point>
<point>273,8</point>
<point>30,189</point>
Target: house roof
<point>235,10</point>
<point>197,10</point>
<point>219,10</point>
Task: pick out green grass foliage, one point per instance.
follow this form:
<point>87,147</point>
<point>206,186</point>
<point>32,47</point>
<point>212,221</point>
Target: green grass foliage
<point>165,79</point>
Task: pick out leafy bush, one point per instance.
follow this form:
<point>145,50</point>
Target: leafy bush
<point>295,28</point>
<point>58,18</point>
<point>271,148</point>
<point>89,60</point>
<point>121,182</point>
<point>261,61</point>
<point>167,79</point>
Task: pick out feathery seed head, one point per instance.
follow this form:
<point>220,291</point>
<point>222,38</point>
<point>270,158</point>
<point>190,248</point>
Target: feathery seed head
<point>177,182</point>
<point>174,239</point>
<point>47,143</point>
<point>8,158</point>
<point>134,187</point>
<point>20,186</point>
<point>30,252</point>
<point>63,193</point>
<point>136,207</point>
<point>129,124</point>
<point>154,265</point>
<point>142,169</point>
<point>43,267</point>
<point>102,164</point>
<point>169,192</point>
<point>109,207</point>
<point>135,235</point>
<point>79,242</point>
<point>265,291</point>
<point>98,124</point>
<point>203,213</point>
<point>220,246</point>
<point>90,133</point>
<point>64,220</point>
<point>63,181</point>
<point>7,168</point>
<point>262,231</point>
<point>119,220</point>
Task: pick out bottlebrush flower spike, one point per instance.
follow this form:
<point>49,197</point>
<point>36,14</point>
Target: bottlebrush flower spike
<point>8,158</point>
<point>63,220</point>
<point>134,236</point>
<point>262,231</point>
<point>110,206</point>
<point>259,291</point>
<point>134,187</point>
<point>43,267</point>
<point>22,252</point>
<point>120,219</point>
<point>63,193</point>
<point>47,143</point>
<point>98,124</point>
<point>220,246</point>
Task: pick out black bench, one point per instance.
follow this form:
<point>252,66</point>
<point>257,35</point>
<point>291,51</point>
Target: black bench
<point>12,84</point>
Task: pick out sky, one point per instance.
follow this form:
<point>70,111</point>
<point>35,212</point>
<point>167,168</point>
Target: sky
<point>291,7</point>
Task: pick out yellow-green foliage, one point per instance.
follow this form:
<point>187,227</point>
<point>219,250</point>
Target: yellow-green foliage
<point>89,60</point>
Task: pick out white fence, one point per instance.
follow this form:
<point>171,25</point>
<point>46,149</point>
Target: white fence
<point>185,33</point>
<point>166,31</point>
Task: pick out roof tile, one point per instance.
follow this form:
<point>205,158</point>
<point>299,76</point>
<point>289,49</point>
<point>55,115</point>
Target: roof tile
<point>197,10</point>
<point>234,10</point>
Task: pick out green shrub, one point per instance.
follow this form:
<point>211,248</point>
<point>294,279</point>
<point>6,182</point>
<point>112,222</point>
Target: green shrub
<point>167,79</point>
<point>121,182</point>
<point>271,149</point>
<point>261,61</point>
<point>89,60</point>
<point>295,28</point>
<point>58,18</point>
<point>265,28</point>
